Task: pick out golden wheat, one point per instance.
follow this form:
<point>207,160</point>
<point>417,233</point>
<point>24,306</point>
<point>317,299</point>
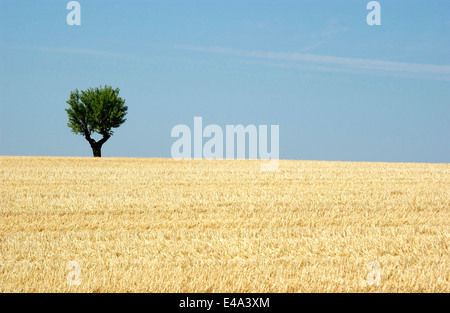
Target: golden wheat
<point>160,225</point>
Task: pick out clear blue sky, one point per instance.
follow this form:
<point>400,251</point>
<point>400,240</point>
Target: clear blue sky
<point>338,88</point>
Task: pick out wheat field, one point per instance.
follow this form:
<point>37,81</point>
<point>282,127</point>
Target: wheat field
<point>160,225</point>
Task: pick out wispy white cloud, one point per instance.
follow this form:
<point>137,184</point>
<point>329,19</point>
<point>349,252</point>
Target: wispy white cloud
<point>327,63</point>
<point>293,60</point>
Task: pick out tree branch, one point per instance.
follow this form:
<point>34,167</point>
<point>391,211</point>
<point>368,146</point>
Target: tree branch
<point>104,139</point>
<point>87,135</point>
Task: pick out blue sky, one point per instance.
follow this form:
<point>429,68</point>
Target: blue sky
<point>339,88</point>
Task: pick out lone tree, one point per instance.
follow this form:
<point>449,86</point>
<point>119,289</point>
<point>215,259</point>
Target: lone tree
<point>96,110</point>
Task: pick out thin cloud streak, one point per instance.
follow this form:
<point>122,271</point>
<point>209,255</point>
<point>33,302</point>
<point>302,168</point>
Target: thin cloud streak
<point>366,65</point>
<point>292,60</point>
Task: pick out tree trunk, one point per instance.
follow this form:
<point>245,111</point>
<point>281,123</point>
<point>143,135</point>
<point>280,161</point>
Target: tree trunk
<point>96,145</point>
<point>97,150</point>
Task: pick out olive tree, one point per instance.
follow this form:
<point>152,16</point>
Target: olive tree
<point>98,111</point>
